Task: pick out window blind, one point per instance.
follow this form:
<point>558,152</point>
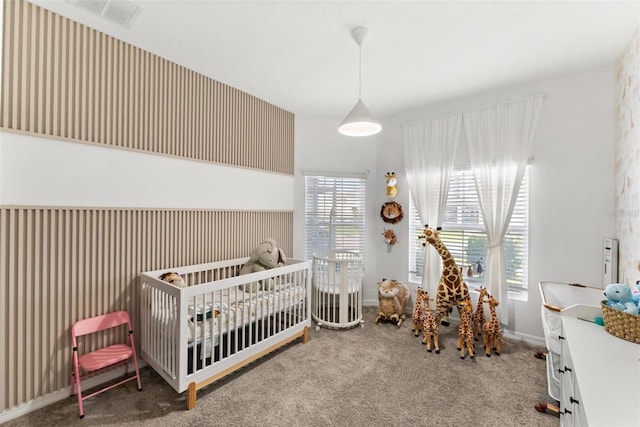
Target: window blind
<point>334,214</point>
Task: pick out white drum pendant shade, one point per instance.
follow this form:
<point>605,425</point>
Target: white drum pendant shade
<point>359,122</point>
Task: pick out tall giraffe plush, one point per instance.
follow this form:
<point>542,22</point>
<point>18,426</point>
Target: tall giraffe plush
<point>491,331</point>
<point>429,326</point>
<point>478,315</point>
<point>451,288</point>
<point>465,330</point>
<point>417,318</point>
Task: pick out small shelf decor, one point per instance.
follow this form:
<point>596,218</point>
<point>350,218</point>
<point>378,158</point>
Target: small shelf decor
<point>337,289</point>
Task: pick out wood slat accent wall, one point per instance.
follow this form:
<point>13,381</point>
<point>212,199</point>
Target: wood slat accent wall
<point>64,80</point>
<point>58,265</point>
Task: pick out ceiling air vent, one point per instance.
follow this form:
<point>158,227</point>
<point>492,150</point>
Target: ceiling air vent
<point>121,12</point>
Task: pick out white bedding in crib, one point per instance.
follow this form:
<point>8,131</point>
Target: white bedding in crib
<point>215,313</point>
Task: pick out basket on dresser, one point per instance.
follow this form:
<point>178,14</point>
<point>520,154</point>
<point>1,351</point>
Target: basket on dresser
<point>620,324</point>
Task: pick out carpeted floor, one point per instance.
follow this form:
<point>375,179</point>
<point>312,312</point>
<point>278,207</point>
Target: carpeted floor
<point>371,376</point>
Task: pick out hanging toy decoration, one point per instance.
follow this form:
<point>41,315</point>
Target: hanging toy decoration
<point>392,190</point>
<point>391,212</point>
<point>389,237</point>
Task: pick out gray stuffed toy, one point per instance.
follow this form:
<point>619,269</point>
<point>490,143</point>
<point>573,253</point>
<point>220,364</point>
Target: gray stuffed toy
<point>264,257</point>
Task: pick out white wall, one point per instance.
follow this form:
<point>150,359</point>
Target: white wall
<point>571,175</point>
<point>319,147</point>
<point>47,172</point>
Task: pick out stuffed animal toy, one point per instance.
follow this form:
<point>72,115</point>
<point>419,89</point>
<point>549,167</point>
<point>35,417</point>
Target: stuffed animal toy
<point>390,237</point>
<point>391,212</point>
<point>264,257</point>
<point>635,294</point>
<point>173,278</point>
<point>392,300</point>
<point>392,190</point>
<point>619,298</point>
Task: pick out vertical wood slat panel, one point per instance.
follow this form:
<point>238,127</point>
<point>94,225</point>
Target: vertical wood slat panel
<point>58,265</point>
<point>64,80</point>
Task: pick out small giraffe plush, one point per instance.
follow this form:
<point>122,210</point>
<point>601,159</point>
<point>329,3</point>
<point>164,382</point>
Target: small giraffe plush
<point>429,326</point>
<point>465,330</point>
<point>451,288</point>
<point>478,315</point>
<point>417,318</point>
<point>392,190</point>
<point>491,331</point>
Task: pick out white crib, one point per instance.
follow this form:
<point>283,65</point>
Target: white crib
<point>195,335</point>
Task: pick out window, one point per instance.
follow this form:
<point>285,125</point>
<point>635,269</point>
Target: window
<point>334,213</point>
<point>463,234</point>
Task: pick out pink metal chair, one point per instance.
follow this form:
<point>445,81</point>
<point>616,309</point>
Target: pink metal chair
<point>95,362</point>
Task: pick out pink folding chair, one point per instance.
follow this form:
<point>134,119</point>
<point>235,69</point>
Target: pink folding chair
<point>95,362</point>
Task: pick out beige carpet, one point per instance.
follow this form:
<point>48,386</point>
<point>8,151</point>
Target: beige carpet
<point>372,376</point>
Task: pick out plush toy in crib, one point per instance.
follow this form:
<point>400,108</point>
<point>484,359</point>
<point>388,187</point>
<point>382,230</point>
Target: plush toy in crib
<point>392,300</point>
<point>265,256</point>
<point>173,278</point>
<point>619,298</point>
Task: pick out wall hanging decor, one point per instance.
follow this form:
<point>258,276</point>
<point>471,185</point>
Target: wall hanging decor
<point>391,212</point>
<point>392,181</point>
<point>390,237</point>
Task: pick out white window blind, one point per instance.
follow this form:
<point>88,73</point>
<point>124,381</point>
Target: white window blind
<point>334,214</point>
<point>464,234</point>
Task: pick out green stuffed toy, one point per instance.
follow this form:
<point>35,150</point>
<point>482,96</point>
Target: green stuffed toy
<point>264,257</point>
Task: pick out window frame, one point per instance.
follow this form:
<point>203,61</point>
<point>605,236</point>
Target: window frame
<point>470,223</point>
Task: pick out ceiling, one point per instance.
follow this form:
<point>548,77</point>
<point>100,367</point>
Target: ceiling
<point>300,56</point>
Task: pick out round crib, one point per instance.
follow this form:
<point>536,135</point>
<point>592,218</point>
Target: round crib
<point>337,289</point>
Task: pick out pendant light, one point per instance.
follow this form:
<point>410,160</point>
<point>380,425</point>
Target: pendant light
<point>359,122</point>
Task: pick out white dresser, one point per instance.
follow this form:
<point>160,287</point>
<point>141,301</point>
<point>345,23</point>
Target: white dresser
<point>600,376</point>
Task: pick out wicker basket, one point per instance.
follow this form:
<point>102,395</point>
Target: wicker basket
<point>621,325</point>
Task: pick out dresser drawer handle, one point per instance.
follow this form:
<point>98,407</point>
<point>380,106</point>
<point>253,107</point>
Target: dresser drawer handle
<point>572,400</point>
<point>568,369</point>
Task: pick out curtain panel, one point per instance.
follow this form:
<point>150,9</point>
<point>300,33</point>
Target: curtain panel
<point>429,150</point>
<point>499,138</point>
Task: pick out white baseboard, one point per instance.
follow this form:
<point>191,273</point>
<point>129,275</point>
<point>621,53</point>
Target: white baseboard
<point>56,396</point>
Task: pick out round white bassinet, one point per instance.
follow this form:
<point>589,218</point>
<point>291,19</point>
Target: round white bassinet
<point>337,289</point>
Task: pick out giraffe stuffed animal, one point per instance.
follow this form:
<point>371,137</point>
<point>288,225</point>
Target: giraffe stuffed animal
<point>451,288</point>
<point>417,317</point>
<point>478,315</point>
<point>429,326</point>
<point>465,330</point>
<point>392,181</point>
<point>491,331</point>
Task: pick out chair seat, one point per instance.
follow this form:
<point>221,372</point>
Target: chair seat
<point>105,356</point>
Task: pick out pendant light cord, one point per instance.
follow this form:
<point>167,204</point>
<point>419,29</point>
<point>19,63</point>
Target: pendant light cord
<point>359,70</point>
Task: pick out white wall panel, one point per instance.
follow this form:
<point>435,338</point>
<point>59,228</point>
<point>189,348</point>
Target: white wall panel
<point>47,172</point>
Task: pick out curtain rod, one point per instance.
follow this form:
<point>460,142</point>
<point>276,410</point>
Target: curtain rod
<point>453,113</point>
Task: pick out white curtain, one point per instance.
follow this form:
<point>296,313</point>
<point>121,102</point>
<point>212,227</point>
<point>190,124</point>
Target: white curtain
<point>429,150</point>
<point>499,138</point>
